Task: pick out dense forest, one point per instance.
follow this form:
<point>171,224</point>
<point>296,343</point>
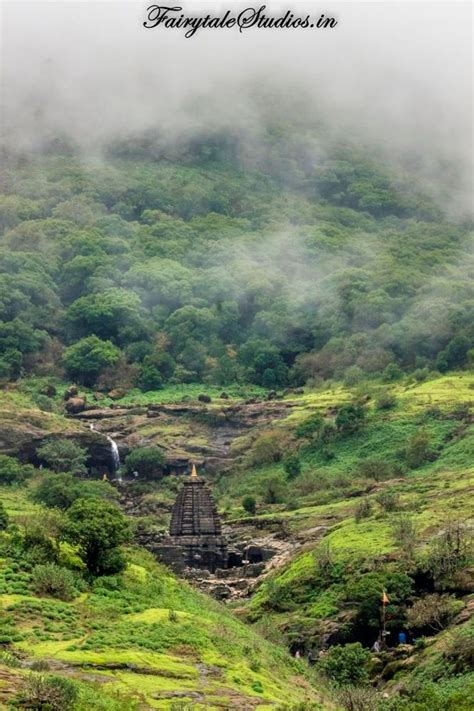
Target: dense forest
<point>218,260</point>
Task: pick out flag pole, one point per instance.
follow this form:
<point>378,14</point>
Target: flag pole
<point>384,618</point>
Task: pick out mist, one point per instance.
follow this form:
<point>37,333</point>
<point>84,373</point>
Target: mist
<point>395,75</point>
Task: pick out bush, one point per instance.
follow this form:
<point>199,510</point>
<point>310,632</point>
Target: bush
<point>363,510</point>
<point>64,455</point>
<point>386,401</point>
<point>388,500</point>
<point>51,579</point>
<point>48,693</point>
<point>405,537</point>
<point>292,465</point>
<point>310,427</point>
<point>419,450</point>
<point>61,490</point>
<point>147,461</point>
<point>249,504</point>
<point>358,698</point>
<point>12,471</point>
<point>449,553</point>
<point>3,518</point>
<point>273,489</point>
<point>353,375</point>
<point>364,592</point>
<point>378,469</point>
<point>346,664</point>
<point>392,372</point>
<point>434,611</point>
<point>350,418</point>
<point>421,374</point>
<point>460,651</point>
<point>267,448</point>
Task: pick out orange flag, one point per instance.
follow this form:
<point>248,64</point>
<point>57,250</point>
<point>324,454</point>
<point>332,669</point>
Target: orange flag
<point>385,599</point>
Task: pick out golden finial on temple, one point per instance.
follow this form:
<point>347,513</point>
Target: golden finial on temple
<point>193,471</point>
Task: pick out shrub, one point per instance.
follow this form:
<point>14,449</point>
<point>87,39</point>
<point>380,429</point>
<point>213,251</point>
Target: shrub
<point>449,553</point>
<point>12,471</point>
<point>267,448</point>
<point>45,403</point>
<point>386,401</point>
<point>292,465</point>
<point>378,469</point>
<point>363,509</point>
<point>460,651</point>
<point>365,592</point>
<point>51,579</point>
<point>392,372</point>
<point>353,375</point>
<point>405,537</point>
<point>346,664</point>
<point>147,461</point>
<point>419,450</point>
<point>434,611</point>
<point>358,698</point>
<point>64,455</point>
<point>273,489</point>
<point>421,374</point>
<point>388,500</point>
<point>249,504</point>
<point>310,427</point>
<point>48,693</point>
<point>61,490</point>
<point>3,517</point>
<point>350,418</point>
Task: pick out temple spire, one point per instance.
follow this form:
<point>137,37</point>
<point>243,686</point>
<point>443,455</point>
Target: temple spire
<point>194,472</point>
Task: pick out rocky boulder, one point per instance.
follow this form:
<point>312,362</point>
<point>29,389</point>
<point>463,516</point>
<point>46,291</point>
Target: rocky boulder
<point>75,405</point>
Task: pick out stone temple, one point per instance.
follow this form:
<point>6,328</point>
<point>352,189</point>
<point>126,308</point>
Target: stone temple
<point>195,539</point>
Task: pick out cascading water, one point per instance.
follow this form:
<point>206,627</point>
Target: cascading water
<point>114,450</point>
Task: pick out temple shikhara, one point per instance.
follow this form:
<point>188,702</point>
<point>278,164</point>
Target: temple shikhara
<point>195,538</point>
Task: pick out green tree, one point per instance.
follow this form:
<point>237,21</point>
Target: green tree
<point>113,314</point>
<point>64,455</point>
<point>147,461</point>
<point>12,471</point>
<point>346,663</point>
<point>61,490</point>
<point>249,504</point>
<point>292,465</point>
<point>98,528</point>
<point>455,354</point>
<point>89,357</point>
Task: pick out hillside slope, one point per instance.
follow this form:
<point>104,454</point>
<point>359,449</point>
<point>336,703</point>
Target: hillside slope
<point>140,640</point>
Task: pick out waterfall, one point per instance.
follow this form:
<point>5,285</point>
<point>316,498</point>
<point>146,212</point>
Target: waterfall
<point>115,455</point>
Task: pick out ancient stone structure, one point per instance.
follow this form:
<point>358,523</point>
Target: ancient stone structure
<point>195,539</point>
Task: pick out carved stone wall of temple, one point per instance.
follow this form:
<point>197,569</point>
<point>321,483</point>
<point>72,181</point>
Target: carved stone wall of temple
<point>195,539</point>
